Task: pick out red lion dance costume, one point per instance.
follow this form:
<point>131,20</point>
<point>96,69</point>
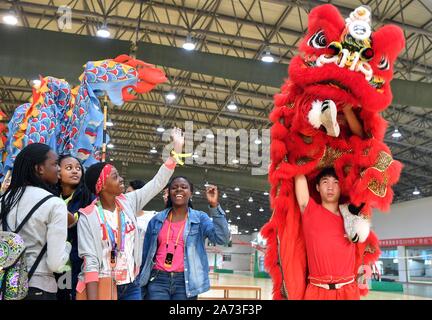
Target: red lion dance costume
<point>340,62</point>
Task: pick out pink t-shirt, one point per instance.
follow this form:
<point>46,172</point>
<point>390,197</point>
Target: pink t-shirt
<point>178,259</point>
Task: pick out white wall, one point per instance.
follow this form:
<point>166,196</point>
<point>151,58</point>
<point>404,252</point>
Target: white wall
<point>411,219</point>
<point>240,255</point>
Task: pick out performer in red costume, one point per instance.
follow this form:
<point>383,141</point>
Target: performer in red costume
<point>328,115</point>
<point>330,252</point>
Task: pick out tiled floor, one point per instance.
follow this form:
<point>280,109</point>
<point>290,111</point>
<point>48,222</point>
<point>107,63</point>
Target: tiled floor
<point>411,291</point>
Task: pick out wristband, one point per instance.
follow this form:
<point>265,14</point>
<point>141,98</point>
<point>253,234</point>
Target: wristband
<point>177,156</point>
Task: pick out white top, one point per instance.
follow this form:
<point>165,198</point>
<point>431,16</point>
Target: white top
<point>112,220</point>
<point>90,243</point>
<point>48,224</point>
<point>144,219</point>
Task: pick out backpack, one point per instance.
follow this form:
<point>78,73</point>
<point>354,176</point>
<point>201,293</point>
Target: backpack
<point>14,277</point>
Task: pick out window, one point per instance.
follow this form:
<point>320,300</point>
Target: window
<point>226,257</point>
<point>388,264</point>
<point>419,264</point>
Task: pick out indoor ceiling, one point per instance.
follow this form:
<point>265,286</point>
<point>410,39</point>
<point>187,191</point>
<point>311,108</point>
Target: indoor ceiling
<point>241,29</point>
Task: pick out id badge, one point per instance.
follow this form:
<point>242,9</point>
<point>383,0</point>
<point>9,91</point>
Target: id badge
<point>168,260</point>
<point>113,257</point>
<point>120,270</point>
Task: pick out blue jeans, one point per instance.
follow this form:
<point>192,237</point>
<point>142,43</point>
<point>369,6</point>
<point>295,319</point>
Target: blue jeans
<point>166,286</point>
<point>130,291</point>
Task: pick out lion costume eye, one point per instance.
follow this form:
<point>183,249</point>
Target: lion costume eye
<point>366,54</point>
<point>384,64</point>
<point>318,40</point>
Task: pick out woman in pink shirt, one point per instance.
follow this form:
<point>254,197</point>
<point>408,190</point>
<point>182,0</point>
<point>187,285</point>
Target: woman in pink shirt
<point>175,264</point>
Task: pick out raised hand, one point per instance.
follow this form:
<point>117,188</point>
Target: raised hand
<point>178,139</point>
<point>165,195</point>
<point>212,194</point>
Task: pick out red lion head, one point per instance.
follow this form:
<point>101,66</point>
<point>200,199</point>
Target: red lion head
<point>355,64</point>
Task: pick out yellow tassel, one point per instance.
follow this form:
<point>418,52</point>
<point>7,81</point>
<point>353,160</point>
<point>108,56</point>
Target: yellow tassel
<point>177,156</point>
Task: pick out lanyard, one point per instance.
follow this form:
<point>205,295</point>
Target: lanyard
<point>69,199</point>
<point>121,228</point>
<point>178,234</point>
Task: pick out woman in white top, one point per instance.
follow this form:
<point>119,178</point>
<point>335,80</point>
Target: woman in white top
<point>34,173</point>
<point>108,237</point>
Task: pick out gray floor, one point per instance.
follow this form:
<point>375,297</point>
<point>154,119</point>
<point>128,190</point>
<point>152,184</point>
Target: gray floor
<point>411,291</point>
<point>420,290</point>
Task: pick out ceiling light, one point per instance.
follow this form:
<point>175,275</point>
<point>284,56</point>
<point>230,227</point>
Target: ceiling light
<point>265,193</point>
<point>235,161</point>
<point>247,231</point>
<point>258,141</point>
<point>153,150</point>
<point>396,133</point>
<point>210,135</point>
<point>170,96</point>
<point>227,211</point>
<point>197,192</point>
<point>10,19</point>
<point>103,32</point>
<point>238,218</point>
<point>232,106</point>
<point>110,145</point>
<point>188,44</point>
<point>248,214</point>
<point>111,159</point>
<point>250,199</point>
<point>224,196</point>
<point>195,156</point>
<point>255,229</point>
<point>206,184</point>
<point>267,57</point>
<point>229,221</point>
<point>240,232</point>
<point>236,189</point>
<point>416,191</point>
<point>109,124</point>
<point>261,209</point>
<point>237,206</point>
<point>36,83</point>
<point>160,129</point>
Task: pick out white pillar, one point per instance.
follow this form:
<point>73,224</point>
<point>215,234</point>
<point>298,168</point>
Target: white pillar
<point>402,264</point>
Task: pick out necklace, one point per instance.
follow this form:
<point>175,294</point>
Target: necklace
<point>119,243</point>
<point>178,234</point>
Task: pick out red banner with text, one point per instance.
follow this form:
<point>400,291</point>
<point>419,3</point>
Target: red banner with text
<point>409,242</point>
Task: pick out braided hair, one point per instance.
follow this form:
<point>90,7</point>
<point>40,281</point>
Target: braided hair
<point>24,174</point>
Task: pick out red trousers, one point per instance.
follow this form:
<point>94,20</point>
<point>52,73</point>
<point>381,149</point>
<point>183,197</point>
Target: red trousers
<point>347,292</point>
